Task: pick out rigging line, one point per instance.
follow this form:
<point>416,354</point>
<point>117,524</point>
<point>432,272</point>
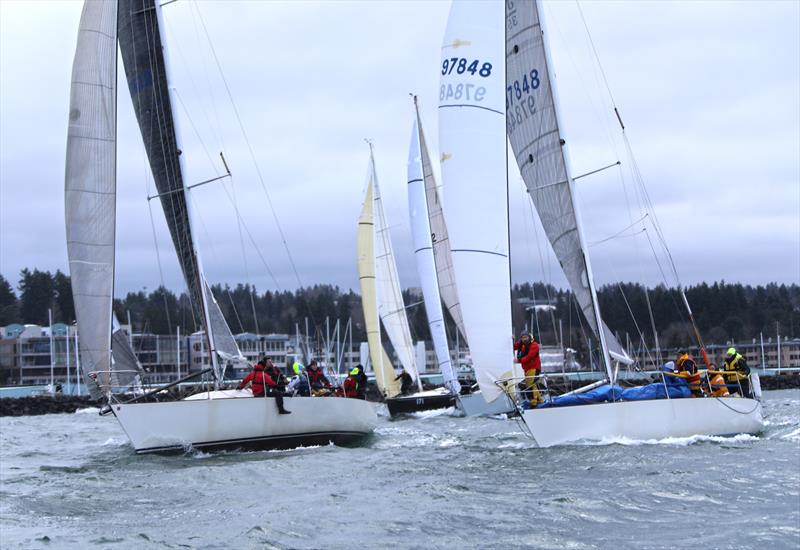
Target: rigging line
<point>621,231</point>
<point>597,57</point>
<point>238,218</point>
<point>252,153</point>
<point>526,221</point>
<point>653,327</point>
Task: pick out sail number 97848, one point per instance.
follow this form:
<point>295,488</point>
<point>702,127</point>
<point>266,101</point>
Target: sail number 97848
<point>517,89</point>
<point>462,65</point>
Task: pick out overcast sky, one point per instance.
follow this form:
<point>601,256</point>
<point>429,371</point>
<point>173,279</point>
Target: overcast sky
<point>709,91</point>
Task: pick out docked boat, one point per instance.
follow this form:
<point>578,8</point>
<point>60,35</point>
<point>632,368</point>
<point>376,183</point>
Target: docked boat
<point>493,90</point>
<point>214,419</point>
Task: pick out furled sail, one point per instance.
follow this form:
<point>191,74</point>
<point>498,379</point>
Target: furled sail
<point>381,365</point>
<point>419,181</point>
<point>472,143</point>
<point>532,125</point>
<point>141,46</point>
<point>90,188</point>
<point>391,307</point>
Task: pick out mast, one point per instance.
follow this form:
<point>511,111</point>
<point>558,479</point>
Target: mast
<point>200,281</point>
<point>578,220</point>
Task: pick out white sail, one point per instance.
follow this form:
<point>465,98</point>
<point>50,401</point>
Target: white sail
<point>365,245</point>
<point>539,148</point>
<point>472,142</point>
<point>418,182</point>
<point>90,186</point>
<point>443,257</point>
<point>391,308</point>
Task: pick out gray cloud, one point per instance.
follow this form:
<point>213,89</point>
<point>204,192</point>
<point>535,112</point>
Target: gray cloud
<point>708,91</point>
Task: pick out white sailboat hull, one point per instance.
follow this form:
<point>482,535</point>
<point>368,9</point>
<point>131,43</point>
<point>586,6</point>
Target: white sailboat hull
<point>226,421</point>
<point>644,420</point>
<point>474,404</point>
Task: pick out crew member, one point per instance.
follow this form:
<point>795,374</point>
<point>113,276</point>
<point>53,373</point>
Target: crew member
<point>363,382</point>
<point>406,382</point>
<point>351,383</point>
<point>320,385</point>
<point>275,373</point>
<point>737,373</point>
<point>716,383</point>
<point>299,383</point>
<point>527,355</point>
<point>263,384</point>
<point>687,368</point>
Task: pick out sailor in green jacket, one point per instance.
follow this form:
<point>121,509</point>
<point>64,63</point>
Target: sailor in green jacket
<point>737,373</point>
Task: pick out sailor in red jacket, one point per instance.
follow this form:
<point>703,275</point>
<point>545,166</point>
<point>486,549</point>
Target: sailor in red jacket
<point>351,383</point>
<point>263,384</point>
<point>527,355</point>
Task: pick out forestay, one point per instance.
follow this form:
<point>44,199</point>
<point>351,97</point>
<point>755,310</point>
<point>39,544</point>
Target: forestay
<point>140,41</point>
<point>387,286</point>
<point>419,181</point>
<point>473,147</point>
<point>365,245</point>
<point>532,125</point>
<point>90,187</point>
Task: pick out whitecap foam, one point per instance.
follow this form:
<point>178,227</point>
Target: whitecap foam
<point>447,411</point>
<point>794,435</point>
<point>115,442</point>
<point>88,410</point>
<point>676,441</point>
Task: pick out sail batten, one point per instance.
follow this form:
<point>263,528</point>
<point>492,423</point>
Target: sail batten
<point>535,136</point>
<point>90,189</point>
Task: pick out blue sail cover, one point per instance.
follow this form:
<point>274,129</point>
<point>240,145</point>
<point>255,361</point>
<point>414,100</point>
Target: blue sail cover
<point>675,387</point>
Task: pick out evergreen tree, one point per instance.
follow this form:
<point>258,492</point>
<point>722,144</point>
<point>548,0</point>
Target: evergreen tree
<point>8,303</point>
<point>65,308</point>
<point>36,296</point>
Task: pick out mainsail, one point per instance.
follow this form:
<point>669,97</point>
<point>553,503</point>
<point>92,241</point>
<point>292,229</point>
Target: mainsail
<point>472,142</point>
<point>125,365</point>
<point>532,125</point>
<point>381,365</point>
<point>391,308</point>
<point>419,182</point>
<point>141,46</point>
<point>90,188</point>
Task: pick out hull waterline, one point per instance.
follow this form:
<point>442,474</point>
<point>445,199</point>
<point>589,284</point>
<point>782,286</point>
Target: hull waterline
<point>644,420</point>
<point>244,422</point>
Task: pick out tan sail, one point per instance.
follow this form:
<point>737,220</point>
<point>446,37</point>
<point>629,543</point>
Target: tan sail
<point>384,373</point>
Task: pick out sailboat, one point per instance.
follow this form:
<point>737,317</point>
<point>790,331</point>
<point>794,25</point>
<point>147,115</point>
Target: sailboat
<point>490,90</point>
<point>382,302</point>
<point>212,419</point>
<point>435,268</point>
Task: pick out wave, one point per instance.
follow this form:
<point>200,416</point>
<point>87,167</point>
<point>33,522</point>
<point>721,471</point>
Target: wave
<point>447,411</point>
<point>88,410</point>
<point>676,441</point>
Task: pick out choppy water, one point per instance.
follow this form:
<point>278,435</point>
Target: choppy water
<point>72,481</point>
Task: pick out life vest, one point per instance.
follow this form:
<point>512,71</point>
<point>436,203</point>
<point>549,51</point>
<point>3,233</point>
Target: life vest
<point>736,368</point>
<point>316,376</point>
<point>528,356</point>
<point>259,380</point>
<point>350,387</point>
<point>717,387</point>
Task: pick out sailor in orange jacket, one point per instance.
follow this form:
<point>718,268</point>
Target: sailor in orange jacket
<point>687,368</point>
<point>262,384</point>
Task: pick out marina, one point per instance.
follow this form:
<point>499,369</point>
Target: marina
<point>263,317</point>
